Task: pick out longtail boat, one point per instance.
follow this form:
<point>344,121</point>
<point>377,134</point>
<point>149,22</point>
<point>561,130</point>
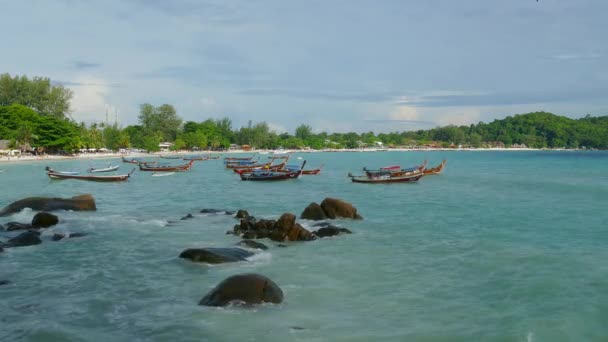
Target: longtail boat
<point>263,175</point>
<point>195,158</point>
<point>304,172</point>
<point>167,168</point>
<point>62,172</point>
<point>244,163</point>
<point>169,157</point>
<point>394,170</point>
<point>162,174</point>
<point>105,169</point>
<point>266,167</point>
<point>235,159</point>
<point>435,170</point>
<point>413,176</point>
<point>113,178</point>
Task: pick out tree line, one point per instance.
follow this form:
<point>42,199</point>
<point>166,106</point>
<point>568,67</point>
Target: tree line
<point>35,112</point>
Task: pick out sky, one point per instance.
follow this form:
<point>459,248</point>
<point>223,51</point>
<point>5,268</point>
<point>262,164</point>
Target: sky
<point>336,65</point>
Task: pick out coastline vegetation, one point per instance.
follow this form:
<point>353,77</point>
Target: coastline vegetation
<point>34,112</point>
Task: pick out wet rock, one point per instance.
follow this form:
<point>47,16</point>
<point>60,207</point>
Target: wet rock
<point>331,231</point>
<point>242,214</point>
<point>59,236</point>
<point>17,226</point>
<point>336,208</point>
<point>229,212</point>
<point>286,228</point>
<point>44,220</point>
<point>211,211</point>
<point>215,255</point>
<point>313,212</point>
<point>76,203</point>
<point>247,288</point>
<point>24,239</point>
<point>187,217</point>
<point>252,244</point>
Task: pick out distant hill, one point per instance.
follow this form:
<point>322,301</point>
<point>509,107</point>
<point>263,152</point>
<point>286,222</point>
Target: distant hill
<point>538,129</point>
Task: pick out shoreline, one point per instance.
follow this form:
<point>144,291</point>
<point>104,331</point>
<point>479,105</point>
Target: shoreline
<point>84,156</point>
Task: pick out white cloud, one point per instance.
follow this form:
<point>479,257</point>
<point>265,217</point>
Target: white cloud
<point>90,101</point>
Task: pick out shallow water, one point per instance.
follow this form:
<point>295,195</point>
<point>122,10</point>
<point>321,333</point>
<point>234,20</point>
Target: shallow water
<point>503,246</point>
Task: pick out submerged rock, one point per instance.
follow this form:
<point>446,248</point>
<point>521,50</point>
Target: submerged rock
<point>44,220</point>
<point>11,226</point>
<point>335,208</point>
<point>58,236</point>
<point>4,282</point>
<point>187,217</point>
<point>76,203</point>
<point>252,244</point>
<point>24,239</point>
<point>215,255</point>
<point>331,231</point>
<point>313,212</point>
<point>249,288</point>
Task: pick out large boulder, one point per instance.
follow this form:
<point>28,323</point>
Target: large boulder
<point>44,220</point>
<point>286,228</point>
<point>336,208</point>
<point>24,239</point>
<point>215,255</point>
<point>76,203</point>
<point>249,288</point>
<point>313,212</point>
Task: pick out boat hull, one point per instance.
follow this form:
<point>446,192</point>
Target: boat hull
<point>378,180</point>
<point>118,178</point>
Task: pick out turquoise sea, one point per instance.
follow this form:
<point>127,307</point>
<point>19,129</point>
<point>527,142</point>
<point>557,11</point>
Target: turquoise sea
<point>503,246</point>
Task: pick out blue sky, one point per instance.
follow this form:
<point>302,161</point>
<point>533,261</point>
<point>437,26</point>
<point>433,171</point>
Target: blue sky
<point>336,65</point>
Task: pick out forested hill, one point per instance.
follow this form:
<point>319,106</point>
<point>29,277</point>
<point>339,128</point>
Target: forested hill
<point>539,129</point>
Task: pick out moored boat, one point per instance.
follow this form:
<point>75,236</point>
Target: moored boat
<point>264,175</point>
<point>411,177</point>
<point>105,169</point>
<point>394,170</point>
<point>435,170</point>
<point>113,178</point>
<point>170,157</point>
<point>162,174</point>
<point>166,168</point>
<point>62,172</point>
<point>304,172</point>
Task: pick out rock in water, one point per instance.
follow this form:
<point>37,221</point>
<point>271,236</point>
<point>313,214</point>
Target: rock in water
<point>189,216</point>
<point>335,208</point>
<point>331,231</point>
<point>313,212</point>
<point>215,255</point>
<point>4,282</point>
<point>252,244</point>
<point>287,228</point>
<point>24,239</point>
<point>76,203</point>
<point>249,288</point>
<point>44,220</point>
<point>17,226</point>
<point>242,214</point>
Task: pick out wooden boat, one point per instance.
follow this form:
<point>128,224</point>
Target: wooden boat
<point>169,157</point>
<point>162,174</point>
<point>263,175</point>
<point>195,158</point>
<point>167,168</point>
<point>266,167</point>
<point>62,172</point>
<point>236,159</point>
<point>304,172</point>
<point>394,170</point>
<point>112,178</point>
<point>435,170</point>
<point>411,177</point>
<point>105,169</point>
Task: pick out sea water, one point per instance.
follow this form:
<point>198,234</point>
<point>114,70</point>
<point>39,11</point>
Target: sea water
<point>502,246</point>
